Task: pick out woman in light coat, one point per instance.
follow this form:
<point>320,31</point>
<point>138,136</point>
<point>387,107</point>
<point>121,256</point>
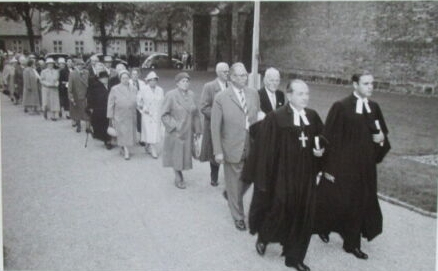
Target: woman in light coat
<point>49,89</point>
<point>30,87</point>
<point>121,110</point>
<point>149,99</point>
<point>181,120</point>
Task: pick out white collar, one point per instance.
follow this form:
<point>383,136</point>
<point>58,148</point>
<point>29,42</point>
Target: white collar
<point>360,102</point>
<point>299,114</point>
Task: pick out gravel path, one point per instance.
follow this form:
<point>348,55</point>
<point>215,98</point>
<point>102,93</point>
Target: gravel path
<point>67,207</point>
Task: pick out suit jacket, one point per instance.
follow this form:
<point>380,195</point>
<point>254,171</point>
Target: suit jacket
<point>265,103</point>
<point>208,93</point>
<point>228,121</point>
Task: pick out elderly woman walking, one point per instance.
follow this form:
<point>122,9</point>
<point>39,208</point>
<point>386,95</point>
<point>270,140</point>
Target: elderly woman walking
<point>122,104</point>
<point>50,95</point>
<point>149,99</point>
<point>31,80</point>
<point>181,120</point>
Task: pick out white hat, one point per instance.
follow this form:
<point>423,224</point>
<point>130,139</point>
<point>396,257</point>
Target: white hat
<point>107,59</point>
<point>13,60</point>
<point>151,75</point>
<point>32,56</point>
<point>50,60</point>
<point>61,60</point>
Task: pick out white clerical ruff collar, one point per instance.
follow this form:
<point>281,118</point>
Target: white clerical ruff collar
<point>299,114</point>
<point>360,103</point>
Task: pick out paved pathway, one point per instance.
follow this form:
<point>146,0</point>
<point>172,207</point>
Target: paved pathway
<point>67,207</point>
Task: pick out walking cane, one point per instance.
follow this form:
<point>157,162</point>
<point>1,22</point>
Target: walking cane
<point>87,131</point>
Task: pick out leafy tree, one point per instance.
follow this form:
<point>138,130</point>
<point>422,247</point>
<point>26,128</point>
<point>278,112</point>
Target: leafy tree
<point>23,11</point>
<point>167,19</point>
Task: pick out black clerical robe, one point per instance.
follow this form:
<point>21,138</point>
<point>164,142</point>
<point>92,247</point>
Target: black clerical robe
<point>350,205</point>
<point>97,100</point>
<point>284,174</point>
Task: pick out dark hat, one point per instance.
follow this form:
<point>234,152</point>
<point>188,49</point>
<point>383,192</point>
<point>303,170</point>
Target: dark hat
<point>181,76</point>
<point>103,74</point>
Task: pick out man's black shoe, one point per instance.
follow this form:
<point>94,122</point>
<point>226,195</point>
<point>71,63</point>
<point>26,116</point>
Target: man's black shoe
<point>298,266</point>
<point>214,183</point>
<point>240,225</point>
<point>358,253</point>
<point>324,237</point>
<point>260,247</point>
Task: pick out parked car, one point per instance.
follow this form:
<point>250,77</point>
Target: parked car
<point>101,57</point>
<point>160,60</point>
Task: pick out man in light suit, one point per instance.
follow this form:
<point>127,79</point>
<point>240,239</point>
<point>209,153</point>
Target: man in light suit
<point>208,93</point>
<point>234,110</point>
<point>270,97</point>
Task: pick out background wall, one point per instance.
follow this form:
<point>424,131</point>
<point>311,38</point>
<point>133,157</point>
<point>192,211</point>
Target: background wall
<point>397,41</point>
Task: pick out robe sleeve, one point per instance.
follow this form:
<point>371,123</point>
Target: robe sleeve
<point>169,122</point>
<point>260,166</point>
<point>111,104</point>
<point>381,151</point>
<point>333,132</point>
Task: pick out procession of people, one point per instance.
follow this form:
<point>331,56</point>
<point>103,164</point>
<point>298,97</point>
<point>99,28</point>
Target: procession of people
<point>309,177</point>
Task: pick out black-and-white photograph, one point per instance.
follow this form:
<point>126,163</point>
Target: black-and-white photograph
<point>192,136</point>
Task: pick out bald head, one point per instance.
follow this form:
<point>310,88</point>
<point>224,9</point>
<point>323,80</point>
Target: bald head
<point>222,70</point>
<point>271,79</point>
<point>238,75</point>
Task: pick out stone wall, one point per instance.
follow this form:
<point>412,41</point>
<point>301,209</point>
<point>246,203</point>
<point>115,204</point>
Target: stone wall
<point>328,41</point>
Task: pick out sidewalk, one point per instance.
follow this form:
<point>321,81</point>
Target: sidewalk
<point>67,207</point>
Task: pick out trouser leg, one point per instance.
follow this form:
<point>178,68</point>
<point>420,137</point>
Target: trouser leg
<point>235,189</point>
<point>214,171</point>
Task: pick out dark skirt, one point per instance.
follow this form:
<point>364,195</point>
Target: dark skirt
<point>100,124</point>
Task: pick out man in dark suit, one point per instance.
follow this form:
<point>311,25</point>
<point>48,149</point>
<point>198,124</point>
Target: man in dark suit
<point>234,111</point>
<point>270,97</point>
<point>208,93</point>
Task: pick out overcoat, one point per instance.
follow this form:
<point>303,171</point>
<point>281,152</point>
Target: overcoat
<point>18,80</point>
<point>77,94</point>
<point>149,103</point>
<point>49,88</point>
<point>30,87</point>
<point>64,75</point>
<point>208,93</point>
<point>122,105</point>
<point>181,120</point>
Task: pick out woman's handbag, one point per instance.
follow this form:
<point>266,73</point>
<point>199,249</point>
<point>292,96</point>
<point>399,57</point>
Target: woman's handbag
<point>196,146</point>
<point>111,131</point>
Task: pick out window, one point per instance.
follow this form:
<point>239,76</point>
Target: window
<point>57,46</point>
<point>148,46</point>
<point>17,46</point>
<point>79,47</point>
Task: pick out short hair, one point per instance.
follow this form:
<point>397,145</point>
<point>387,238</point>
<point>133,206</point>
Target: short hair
<point>290,86</point>
<point>30,62</point>
<point>235,66</point>
<point>221,65</point>
<point>356,77</point>
<point>271,71</point>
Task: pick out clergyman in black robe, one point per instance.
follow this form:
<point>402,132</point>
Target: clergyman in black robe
<point>97,101</point>
<point>358,138</point>
<point>283,165</point>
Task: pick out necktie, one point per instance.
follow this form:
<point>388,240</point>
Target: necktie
<point>360,103</point>
<point>245,108</point>
<point>136,84</point>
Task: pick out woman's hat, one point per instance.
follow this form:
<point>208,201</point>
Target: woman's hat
<point>123,72</point>
<point>108,59</point>
<point>13,60</point>
<point>61,60</point>
<point>103,74</point>
<point>50,60</point>
<point>181,76</point>
<point>151,75</point>
<point>111,131</point>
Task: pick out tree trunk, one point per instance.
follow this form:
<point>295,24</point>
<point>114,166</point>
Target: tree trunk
<point>29,26</point>
<point>169,44</point>
<point>103,36</point>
